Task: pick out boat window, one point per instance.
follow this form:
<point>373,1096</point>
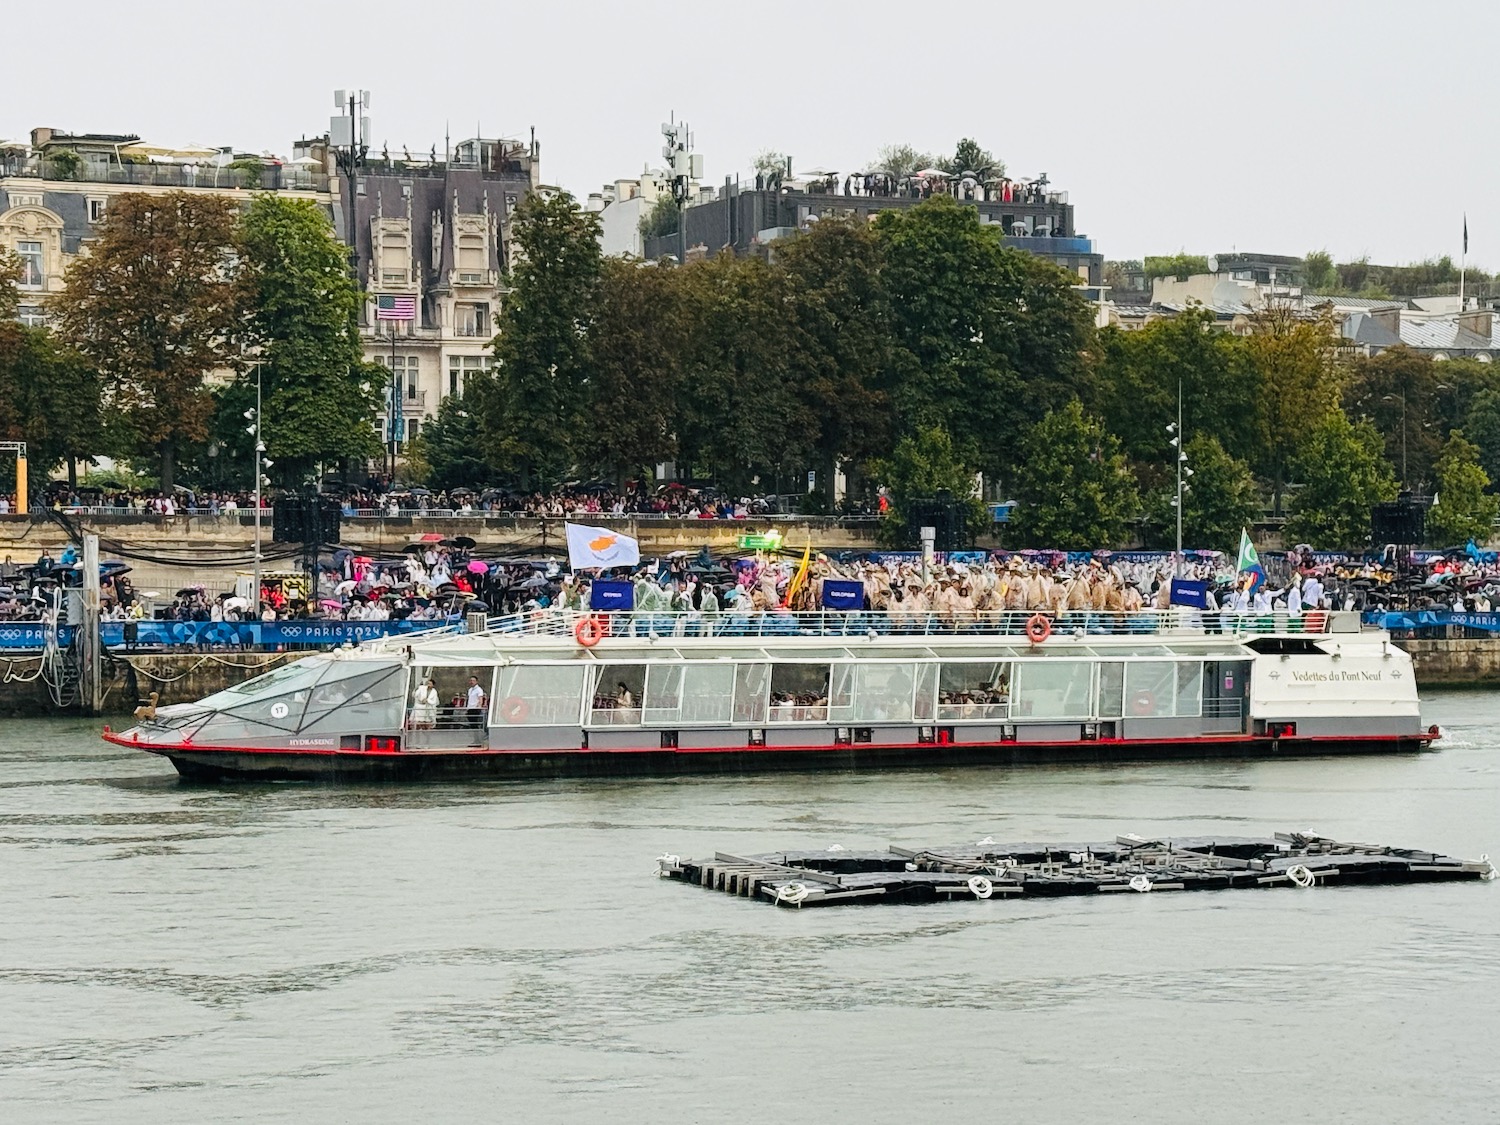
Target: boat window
<point>883,693</point>
<point>1151,689</point>
<point>927,692</point>
<point>977,690</point>
<point>539,695</point>
<point>1189,688</point>
<point>707,693</point>
<point>450,710</point>
<point>280,681</point>
<point>663,697</point>
<point>1053,689</point>
<point>370,702</point>
<point>799,693</point>
<point>752,682</point>
<point>618,693</point>
<point>1111,689</point>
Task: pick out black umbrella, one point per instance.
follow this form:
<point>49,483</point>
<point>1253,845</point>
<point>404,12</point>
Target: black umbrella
<point>535,582</point>
<point>460,492</point>
<point>463,541</point>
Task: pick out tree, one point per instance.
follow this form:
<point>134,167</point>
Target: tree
<point>533,409</point>
<point>1318,273</point>
<point>902,160</point>
<point>450,445</point>
<point>969,157</point>
<point>1219,500</point>
<point>921,466</point>
<point>1138,373</point>
<point>1482,423</point>
<point>1299,389</point>
<point>1344,475</point>
<point>661,219</point>
<point>1180,265</point>
<point>638,343</point>
<point>318,394</point>
<point>1073,487</point>
<point>741,418</point>
<point>769,163</point>
<point>986,339</point>
<point>153,309</point>
<point>1398,391</point>
<point>1462,509</point>
<point>840,348</point>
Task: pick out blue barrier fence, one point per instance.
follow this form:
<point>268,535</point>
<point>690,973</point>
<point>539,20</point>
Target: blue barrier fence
<point>32,635</point>
<point>1406,620</point>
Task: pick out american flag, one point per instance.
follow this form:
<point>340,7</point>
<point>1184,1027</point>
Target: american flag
<point>395,308</point>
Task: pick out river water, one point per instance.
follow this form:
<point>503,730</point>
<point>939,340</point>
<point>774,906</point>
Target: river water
<point>503,951</point>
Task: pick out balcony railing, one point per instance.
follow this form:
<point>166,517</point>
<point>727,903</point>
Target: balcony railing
<point>1043,246</point>
<point>272,177</point>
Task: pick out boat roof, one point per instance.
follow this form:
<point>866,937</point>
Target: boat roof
<point>649,637</point>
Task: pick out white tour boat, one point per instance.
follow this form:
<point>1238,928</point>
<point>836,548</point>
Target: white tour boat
<point>566,694</point>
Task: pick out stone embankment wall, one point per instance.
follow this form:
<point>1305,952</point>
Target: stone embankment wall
<point>1469,662</point>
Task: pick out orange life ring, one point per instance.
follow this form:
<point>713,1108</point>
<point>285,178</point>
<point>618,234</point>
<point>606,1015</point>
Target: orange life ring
<point>514,710</point>
<point>589,631</point>
<point>1143,703</point>
<point>1038,628</point>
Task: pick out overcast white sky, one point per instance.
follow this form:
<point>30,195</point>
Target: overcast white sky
<point>1364,128</point>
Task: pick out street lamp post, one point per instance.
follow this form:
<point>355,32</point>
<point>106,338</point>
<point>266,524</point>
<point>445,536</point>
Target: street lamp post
<point>262,462</point>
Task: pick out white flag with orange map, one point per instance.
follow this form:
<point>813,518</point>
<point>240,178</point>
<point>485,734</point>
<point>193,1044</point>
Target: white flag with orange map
<point>600,547</point>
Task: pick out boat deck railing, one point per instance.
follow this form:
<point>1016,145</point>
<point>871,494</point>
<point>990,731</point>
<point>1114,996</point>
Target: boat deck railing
<point>852,623</point>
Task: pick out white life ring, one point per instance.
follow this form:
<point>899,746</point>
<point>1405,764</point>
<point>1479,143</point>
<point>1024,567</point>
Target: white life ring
<point>1301,876</point>
<point>1140,883</point>
<point>981,886</point>
<point>792,892</point>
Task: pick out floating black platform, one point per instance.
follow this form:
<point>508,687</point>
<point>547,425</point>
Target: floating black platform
<point>1130,864</point>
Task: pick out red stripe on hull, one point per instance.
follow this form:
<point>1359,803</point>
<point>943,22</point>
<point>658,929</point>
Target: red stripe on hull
<point>269,763</point>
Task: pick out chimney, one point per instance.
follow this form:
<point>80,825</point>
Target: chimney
<point>1389,318</point>
<point>1479,322</point>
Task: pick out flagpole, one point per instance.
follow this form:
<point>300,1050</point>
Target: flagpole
<point>1463,263</point>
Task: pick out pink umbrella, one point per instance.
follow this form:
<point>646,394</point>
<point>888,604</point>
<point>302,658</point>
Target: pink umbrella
<point>477,567</point>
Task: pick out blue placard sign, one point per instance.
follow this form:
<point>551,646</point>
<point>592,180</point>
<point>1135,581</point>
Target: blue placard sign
<point>612,597</point>
<point>1187,592</point>
<point>839,593</point>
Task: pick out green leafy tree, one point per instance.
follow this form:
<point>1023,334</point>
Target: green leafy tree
<point>450,445</point>
<point>1219,500</point>
<point>1318,273</point>
<point>1464,509</point>
<point>639,341</point>
<point>986,339</point>
<point>1344,474</point>
<point>1299,388</point>
<point>661,219</point>
<point>1482,423</point>
<point>902,160</point>
<point>153,309</point>
<point>1399,390</point>
<point>1138,373</point>
<point>969,157</point>
<point>922,466</point>
<point>1073,487</point>
<point>1180,265</point>
<point>318,394</point>
<point>533,410</point>
<point>840,350</point>
<point>742,420</point>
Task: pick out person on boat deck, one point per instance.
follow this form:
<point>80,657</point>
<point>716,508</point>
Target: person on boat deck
<point>1312,592</point>
<point>1262,602</point>
<point>424,711</point>
<point>623,698</point>
<point>477,701</point>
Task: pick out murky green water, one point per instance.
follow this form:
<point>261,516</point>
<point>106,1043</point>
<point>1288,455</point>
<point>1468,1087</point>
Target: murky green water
<point>503,952</point>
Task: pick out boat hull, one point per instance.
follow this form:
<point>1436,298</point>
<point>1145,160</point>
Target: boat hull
<point>202,764</point>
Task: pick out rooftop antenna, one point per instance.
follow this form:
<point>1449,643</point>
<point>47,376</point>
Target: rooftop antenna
<point>447,145</point>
